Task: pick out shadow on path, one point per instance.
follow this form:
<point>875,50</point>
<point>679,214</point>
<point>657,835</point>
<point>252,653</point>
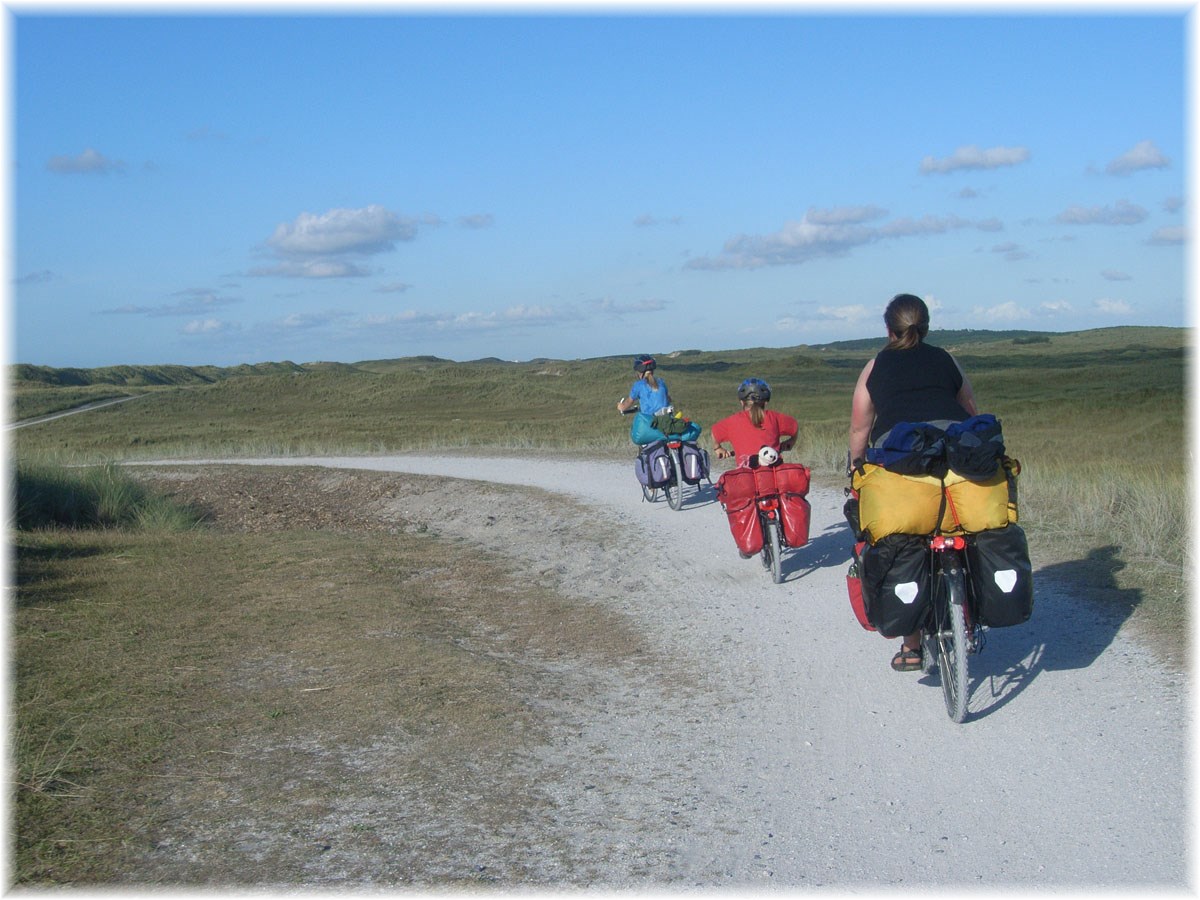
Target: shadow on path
<point>832,547</point>
<point>1078,611</point>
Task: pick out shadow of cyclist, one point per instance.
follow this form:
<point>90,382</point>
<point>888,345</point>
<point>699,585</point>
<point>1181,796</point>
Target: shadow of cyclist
<point>1078,610</point>
<point>832,547</point>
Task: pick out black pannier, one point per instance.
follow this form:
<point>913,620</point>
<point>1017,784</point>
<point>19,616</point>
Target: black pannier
<point>1001,575</point>
<point>896,583</point>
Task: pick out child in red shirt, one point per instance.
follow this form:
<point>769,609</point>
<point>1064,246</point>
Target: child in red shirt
<point>755,426</point>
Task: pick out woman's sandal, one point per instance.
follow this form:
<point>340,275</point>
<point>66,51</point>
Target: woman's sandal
<point>907,660</point>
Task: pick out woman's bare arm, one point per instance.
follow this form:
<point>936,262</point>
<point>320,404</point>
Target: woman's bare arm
<point>862,416</point>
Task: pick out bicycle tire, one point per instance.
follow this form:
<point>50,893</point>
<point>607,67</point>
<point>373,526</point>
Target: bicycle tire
<point>952,641</point>
<point>674,486</point>
<point>773,549</point>
<point>649,494</point>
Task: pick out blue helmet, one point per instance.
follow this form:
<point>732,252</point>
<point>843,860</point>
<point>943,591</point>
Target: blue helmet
<point>643,364</point>
<point>754,389</point>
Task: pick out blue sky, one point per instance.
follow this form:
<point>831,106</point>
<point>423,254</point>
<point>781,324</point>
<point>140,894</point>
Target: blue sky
<point>216,189</point>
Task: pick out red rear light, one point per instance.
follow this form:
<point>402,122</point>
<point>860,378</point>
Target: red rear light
<point>943,542</point>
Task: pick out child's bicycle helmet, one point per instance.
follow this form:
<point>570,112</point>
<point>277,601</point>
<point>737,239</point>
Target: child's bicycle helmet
<point>643,364</point>
<point>754,389</point>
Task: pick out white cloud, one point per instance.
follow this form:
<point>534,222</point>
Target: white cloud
<point>1053,307</point>
<point>844,215</point>
<point>1143,155</point>
<point>512,317</point>
<point>1011,252</point>
<point>811,324</point>
<point>205,133</point>
<point>1115,275</point>
<point>195,302</point>
<point>407,317</point>
<point>828,233</point>
<point>1002,312</point>
<point>972,157</point>
<point>849,314</point>
<point>89,162</point>
<point>1169,236</point>
<point>393,287</point>
<point>304,321</point>
<point>608,306</point>
<point>312,268</point>
<point>935,225</point>
<point>645,220</point>
<point>1124,213</point>
<point>207,327</point>
<point>477,220</point>
<point>369,230</point>
<point>330,244</point>
<point>1111,307</point>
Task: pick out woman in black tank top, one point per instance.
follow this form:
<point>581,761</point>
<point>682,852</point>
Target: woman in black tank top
<point>907,381</point>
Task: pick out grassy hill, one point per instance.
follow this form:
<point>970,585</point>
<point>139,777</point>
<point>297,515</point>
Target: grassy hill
<point>1040,384</point>
<point>1096,417</point>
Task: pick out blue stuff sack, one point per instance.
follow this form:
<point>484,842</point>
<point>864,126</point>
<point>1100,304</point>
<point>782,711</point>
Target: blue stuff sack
<point>911,448</point>
<point>975,446</point>
<point>643,432</point>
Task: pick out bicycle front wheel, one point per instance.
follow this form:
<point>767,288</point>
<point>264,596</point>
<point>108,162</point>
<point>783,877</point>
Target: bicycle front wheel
<point>674,487</point>
<point>952,642</point>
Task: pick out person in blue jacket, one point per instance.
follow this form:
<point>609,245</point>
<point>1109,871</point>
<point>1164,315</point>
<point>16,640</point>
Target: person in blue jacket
<point>650,395</point>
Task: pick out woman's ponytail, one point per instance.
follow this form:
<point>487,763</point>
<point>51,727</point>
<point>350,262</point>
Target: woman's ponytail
<point>907,321</point>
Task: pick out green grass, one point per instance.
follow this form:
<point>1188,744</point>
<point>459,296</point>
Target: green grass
<point>1097,419</point>
<point>51,496</point>
<point>32,400</point>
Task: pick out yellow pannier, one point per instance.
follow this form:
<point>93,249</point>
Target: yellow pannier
<point>976,505</point>
<point>889,503</point>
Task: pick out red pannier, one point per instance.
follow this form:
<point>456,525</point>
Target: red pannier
<point>738,488</point>
<point>790,482</point>
<point>736,491</point>
<point>854,587</point>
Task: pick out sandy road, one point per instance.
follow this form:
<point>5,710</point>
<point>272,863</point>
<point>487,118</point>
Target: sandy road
<point>800,759</point>
<point>87,407</point>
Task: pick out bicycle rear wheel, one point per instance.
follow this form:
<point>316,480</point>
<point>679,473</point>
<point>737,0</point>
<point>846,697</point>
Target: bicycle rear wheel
<point>674,487</point>
<point>952,646</point>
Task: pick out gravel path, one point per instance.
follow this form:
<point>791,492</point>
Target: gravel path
<point>799,759</point>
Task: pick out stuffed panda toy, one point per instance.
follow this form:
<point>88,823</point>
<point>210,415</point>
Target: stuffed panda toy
<point>766,456</point>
